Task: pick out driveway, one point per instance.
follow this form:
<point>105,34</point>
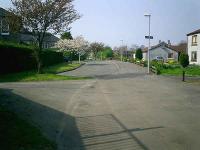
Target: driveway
<point>121,108</point>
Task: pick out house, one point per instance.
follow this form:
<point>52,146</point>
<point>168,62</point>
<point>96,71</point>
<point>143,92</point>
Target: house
<point>163,50</point>
<point>23,36</point>
<point>27,38</point>
<point>194,47</point>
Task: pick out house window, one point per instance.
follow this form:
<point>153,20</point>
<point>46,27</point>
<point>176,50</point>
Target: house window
<point>4,27</point>
<point>194,56</point>
<point>194,40</point>
<point>170,55</point>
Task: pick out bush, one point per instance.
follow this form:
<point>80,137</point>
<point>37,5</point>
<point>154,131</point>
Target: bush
<point>132,60</point>
<point>50,58</point>
<point>184,60</point>
<point>159,65</point>
<point>172,62</point>
<point>16,57</point>
<point>145,63</point>
<point>139,54</point>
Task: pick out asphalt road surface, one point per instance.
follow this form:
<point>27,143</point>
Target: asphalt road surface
<point>121,108</point>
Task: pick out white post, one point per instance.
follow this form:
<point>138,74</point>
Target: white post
<point>122,51</point>
<point>149,16</point>
<point>149,44</point>
<point>79,57</point>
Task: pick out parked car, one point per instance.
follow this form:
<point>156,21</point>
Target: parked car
<point>159,58</point>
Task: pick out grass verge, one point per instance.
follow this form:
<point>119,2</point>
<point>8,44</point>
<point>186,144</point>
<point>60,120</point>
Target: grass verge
<point>49,74</point>
<point>190,71</point>
<point>17,134</point>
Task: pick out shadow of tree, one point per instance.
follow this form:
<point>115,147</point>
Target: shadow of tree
<point>119,76</point>
<point>55,125</point>
<point>102,132</point>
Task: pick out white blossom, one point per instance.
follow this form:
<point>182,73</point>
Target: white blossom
<point>78,44</point>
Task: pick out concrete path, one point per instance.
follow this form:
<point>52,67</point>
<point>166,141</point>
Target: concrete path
<point>122,108</point>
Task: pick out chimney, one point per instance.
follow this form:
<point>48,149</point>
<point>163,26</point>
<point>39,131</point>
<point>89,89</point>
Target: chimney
<point>159,41</point>
<point>169,42</point>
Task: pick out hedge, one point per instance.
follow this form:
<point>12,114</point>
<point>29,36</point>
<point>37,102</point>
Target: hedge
<point>16,57</point>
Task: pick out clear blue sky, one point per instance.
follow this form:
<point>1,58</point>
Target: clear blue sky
<point>110,21</point>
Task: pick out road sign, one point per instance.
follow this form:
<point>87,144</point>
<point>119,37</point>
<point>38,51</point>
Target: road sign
<point>147,37</point>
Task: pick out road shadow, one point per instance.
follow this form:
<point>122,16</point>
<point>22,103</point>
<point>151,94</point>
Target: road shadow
<point>55,125</point>
<point>97,64</point>
<point>102,132</point>
<point>107,132</point>
<point>119,76</point>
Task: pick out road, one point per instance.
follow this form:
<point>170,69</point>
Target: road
<point>121,108</point>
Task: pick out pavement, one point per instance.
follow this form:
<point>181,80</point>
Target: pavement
<point>120,108</point>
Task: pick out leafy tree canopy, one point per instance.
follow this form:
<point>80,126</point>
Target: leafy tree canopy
<point>66,35</point>
<point>139,54</point>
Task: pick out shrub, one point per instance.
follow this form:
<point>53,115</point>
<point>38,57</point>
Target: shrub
<point>16,57</point>
<point>145,63</point>
<point>184,60</point>
<point>132,60</point>
<point>139,54</point>
<point>172,61</point>
<point>51,58</point>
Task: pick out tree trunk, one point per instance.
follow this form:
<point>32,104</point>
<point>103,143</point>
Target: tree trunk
<point>101,56</point>
<point>183,79</point>
<point>38,61</point>
<point>39,67</point>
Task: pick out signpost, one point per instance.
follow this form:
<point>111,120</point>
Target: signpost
<point>147,37</point>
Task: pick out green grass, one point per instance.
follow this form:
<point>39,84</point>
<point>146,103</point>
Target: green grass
<point>190,71</point>
<point>17,134</point>
<point>49,74</point>
<point>61,68</point>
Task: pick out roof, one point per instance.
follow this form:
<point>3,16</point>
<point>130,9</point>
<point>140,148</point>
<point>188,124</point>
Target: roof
<point>182,47</point>
<point>28,37</point>
<point>194,32</point>
<point>145,50</point>
<point>3,12</point>
<point>162,44</point>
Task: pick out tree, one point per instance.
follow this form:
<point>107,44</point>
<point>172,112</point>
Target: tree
<point>184,61</point>
<point>139,54</point>
<point>40,16</point>
<point>96,48</point>
<point>108,52</point>
<point>66,35</point>
<point>78,45</point>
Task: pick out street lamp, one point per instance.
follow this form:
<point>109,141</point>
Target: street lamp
<point>149,37</point>
<point>121,50</point>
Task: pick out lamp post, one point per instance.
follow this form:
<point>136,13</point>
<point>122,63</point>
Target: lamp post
<point>149,37</point>
<point>122,50</point>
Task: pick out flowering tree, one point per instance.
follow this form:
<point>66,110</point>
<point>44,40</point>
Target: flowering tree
<point>78,44</point>
<point>40,16</point>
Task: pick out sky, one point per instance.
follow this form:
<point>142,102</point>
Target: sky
<point>110,21</point>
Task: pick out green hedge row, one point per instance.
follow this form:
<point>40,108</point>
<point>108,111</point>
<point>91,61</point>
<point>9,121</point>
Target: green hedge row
<point>15,58</point>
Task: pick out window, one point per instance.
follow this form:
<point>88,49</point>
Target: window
<point>170,55</point>
<point>4,27</point>
<point>194,56</point>
<point>194,40</point>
